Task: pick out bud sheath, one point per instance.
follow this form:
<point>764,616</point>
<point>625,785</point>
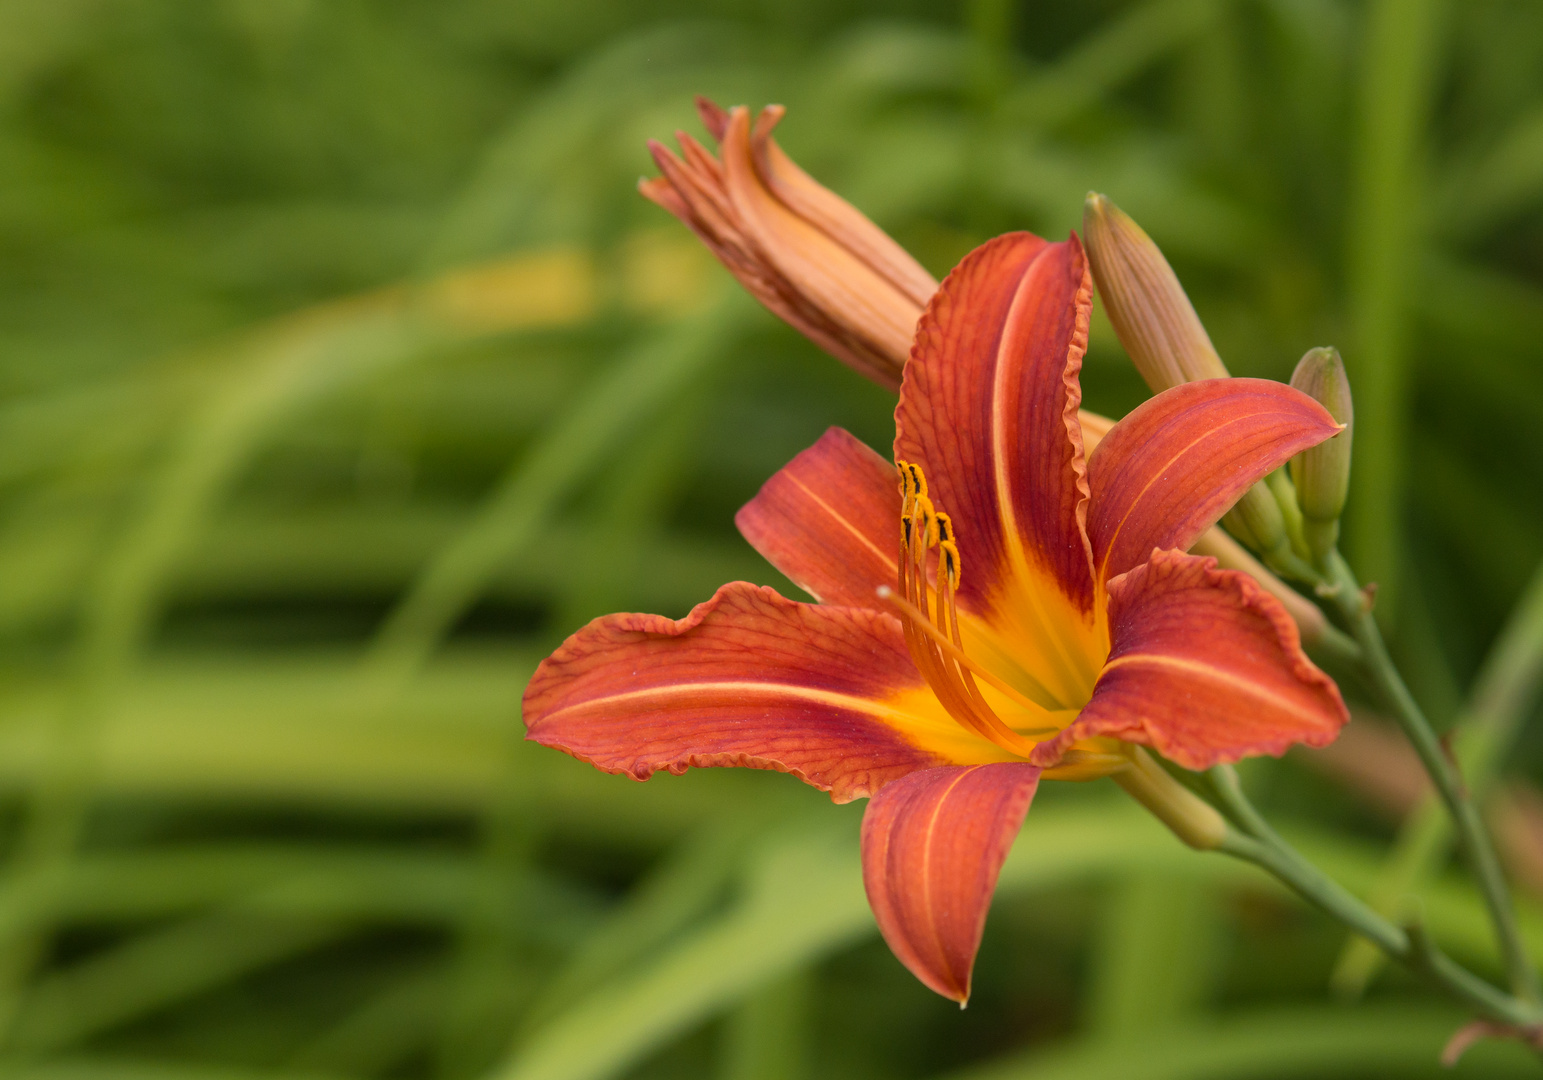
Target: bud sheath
<point>1151,314</point>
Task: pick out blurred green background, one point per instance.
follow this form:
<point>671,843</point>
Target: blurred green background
<point>343,373</point>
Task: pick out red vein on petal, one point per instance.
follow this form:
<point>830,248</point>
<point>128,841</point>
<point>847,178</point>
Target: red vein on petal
<point>1216,675</point>
<point>846,523</point>
<point>850,702</point>
<point>932,831</point>
<point>1159,474</point>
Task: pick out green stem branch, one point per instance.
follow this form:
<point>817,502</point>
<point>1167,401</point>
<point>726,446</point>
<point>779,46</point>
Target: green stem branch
<point>1479,851</point>
<point>1255,841</point>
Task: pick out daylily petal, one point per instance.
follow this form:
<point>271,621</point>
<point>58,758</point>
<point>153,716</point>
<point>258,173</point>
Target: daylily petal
<point>830,521</point>
<point>1205,667</point>
<point>989,404</point>
<point>715,118</point>
<point>933,845</point>
<point>695,190</point>
<point>1167,471</point>
<point>816,203</point>
<point>988,409</point>
<point>751,679</point>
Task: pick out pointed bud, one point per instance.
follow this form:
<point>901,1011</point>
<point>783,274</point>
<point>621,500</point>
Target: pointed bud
<point>807,254</point>
<point>1151,314</point>
<point>1285,493</point>
<point>1322,473</point>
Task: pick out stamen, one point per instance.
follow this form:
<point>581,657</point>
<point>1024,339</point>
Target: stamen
<point>948,564</point>
<point>960,657</point>
<point>932,629</point>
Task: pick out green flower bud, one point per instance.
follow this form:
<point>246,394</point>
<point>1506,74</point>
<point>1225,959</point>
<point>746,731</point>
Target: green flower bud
<point>1322,472</point>
<point>1285,492</point>
<point>1152,316</point>
<point>1257,521</point>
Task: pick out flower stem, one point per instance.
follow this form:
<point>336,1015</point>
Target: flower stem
<point>1255,841</point>
<point>1345,593</point>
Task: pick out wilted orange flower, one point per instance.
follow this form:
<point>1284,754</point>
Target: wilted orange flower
<point>799,248</point>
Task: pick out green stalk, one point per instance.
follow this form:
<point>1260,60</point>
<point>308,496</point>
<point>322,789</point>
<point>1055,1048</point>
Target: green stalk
<point>1345,594</point>
<point>1259,844</point>
<point>1503,693</point>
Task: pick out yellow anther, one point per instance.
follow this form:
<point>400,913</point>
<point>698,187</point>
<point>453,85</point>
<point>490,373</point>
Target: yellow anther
<point>907,488</point>
<point>948,563</point>
<point>917,477</point>
<point>926,522</point>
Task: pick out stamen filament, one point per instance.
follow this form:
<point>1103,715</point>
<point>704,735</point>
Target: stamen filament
<point>932,629</point>
<point>958,655</point>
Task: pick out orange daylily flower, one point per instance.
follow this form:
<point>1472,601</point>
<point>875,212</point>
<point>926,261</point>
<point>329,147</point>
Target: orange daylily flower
<point>1011,609</point>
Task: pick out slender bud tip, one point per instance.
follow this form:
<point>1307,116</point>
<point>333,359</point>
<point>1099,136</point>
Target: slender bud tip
<point>1151,315</point>
<point>1320,374</point>
<point>1322,473</point>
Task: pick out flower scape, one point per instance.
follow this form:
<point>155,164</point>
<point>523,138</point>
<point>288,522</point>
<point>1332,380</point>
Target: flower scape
<point>1005,597</point>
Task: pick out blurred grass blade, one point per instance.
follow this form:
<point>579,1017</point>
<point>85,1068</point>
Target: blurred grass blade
<point>1381,1040</point>
<point>108,1068</point>
<point>395,1022</point>
<point>669,900</point>
<point>542,179</point>
<point>1108,56</point>
<point>808,900</point>
<point>634,389</point>
<point>284,369</point>
<point>1403,46</point>
<point>1155,955</point>
<point>154,971</point>
<point>1503,183</point>
<point>767,1035</point>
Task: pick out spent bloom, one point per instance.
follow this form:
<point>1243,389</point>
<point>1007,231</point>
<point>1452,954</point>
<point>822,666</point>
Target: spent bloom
<point>996,606</point>
<point>800,249</point>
